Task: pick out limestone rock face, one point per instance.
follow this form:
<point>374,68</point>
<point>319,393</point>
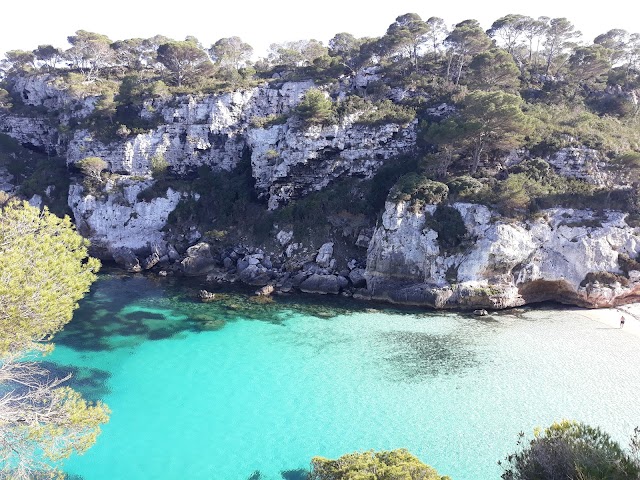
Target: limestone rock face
<point>117,219</point>
<point>558,257</point>
<point>565,255</point>
<point>192,130</point>
<point>33,132</point>
<point>44,91</point>
<point>289,162</point>
<point>217,131</point>
<point>582,163</point>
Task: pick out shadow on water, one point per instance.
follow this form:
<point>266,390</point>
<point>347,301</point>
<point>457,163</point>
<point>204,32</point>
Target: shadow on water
<point>123,310</point>
<point>299,474</point>
<point>415,356</point>
<point>90,382</point>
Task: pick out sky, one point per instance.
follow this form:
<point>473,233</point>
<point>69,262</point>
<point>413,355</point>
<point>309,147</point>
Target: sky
<point>261,23</point>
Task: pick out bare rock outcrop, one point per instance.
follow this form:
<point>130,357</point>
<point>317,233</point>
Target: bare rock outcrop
<point>560,256</point>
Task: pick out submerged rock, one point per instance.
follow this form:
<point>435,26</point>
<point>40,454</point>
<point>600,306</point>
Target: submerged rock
<point>265,291</point>
<point>206,296</point>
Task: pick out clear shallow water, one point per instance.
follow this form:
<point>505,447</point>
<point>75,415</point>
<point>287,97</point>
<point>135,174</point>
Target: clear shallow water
<point>238,390</point>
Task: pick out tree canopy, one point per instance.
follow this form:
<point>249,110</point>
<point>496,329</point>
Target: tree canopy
<point>570,450</point>
<point>44,271</point>
<point>384,465</point>
<point>185,60</point>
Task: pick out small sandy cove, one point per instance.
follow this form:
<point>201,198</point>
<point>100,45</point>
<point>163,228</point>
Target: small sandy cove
<point>611,317</point>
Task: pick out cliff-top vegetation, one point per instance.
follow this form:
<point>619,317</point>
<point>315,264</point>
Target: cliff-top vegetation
<point>498,111</point>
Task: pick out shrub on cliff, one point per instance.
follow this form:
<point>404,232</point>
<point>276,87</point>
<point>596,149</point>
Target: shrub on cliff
<point>464,186</point>
<point>159,165</point>
<point>315,108</point>
<point>417,188</point>
<point>376,113</point>
<point>92,168</point>
<point>451,229</point>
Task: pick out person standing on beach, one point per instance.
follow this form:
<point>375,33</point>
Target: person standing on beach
<point>622,321</point>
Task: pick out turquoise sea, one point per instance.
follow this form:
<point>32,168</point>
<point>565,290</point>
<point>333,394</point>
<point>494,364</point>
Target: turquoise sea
<point>242,390</point>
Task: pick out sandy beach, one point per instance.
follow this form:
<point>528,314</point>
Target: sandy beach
<point>611,317</point>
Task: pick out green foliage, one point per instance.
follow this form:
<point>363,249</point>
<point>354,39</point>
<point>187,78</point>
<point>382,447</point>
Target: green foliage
<point>518,191</point>
<point>92,167</point>
<point>492,121</point>
<point>375,112</point>
<point>385,111</point>
<point>590,65</point>
<point>535,169</point>
<point>90,52</point>
<point>315,108</point>
<point>626,167</point>
<point>346,198</point>
<point>386,177</point>
<point>559,126</point>
<point>231,53</point>
<point>384,465</point>
<point>451,229</point>
<point>44,271</point>
<point>464,186</point>
<point>301,53</point>
<point>226,200</point>
<point>129,101</point>
<point>405,36</point>
<point>465,40</point>
<point>159,165</point>
<point>18,61</point>
<point>533,185</point>
<point>569,450</point>
<point>493,70</point>
<point>34,172</point>
<point>49,179</point>
<point>418,189</point>
<point>268,121</point>
<point>346,47</point>
<point>447,135</point>
<point>77,86</point>
<point>185,61</point>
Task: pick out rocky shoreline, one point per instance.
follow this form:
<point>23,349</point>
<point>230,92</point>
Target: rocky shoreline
<point>503,265</point>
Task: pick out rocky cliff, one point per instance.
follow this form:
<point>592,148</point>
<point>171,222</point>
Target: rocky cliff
<point>563,255</point>
<point>572,256</point>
